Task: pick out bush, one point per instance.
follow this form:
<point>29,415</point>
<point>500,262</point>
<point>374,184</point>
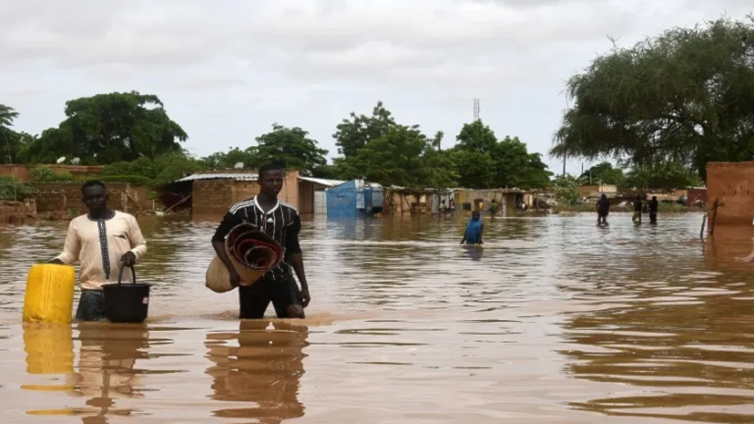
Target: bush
<point>13,189</point>
<point>45,174</point>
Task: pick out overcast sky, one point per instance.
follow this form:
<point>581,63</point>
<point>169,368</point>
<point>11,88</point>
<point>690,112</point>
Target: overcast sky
<point>227,70</point>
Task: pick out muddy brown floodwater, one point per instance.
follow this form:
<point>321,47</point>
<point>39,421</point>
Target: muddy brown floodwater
<point>554,321</point>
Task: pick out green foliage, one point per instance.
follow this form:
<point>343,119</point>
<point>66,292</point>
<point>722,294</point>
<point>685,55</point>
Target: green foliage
<point>354,133</point>
<point>686,96</point>
<point>566,189</point>
<point>604,173</point>
<point>229,159</point>
<point>45,174</point>
<point>156,172</point>
<point>483,161</point>
<point>14,190</point>
<point>109,128</point>
<point>667,176</point>
<point>292,148</point>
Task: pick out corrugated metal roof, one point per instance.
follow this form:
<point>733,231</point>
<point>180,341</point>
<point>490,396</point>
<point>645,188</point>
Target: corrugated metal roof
<point>225,176</point>
<point>322,181</point>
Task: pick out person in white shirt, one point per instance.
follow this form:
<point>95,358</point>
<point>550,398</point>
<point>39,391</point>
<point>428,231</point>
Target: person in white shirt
<point>102,241</point>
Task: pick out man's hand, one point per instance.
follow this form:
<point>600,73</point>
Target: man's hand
<point>305,296</point>
<point>55,261</point>
<point>235,279</point>
<point>128,259</point>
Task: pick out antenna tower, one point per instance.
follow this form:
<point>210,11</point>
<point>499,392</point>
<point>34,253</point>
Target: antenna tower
<point>476,109</point>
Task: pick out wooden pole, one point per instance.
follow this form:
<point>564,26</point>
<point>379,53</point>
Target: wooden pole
<point>704,221</point>
<point>714,217</point>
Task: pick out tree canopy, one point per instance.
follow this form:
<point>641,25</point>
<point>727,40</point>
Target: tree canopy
<point>108,128</point>
<point>483,161</point>
<point>604,173</point>
<point>685,97</point>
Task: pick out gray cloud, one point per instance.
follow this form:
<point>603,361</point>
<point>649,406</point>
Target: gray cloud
<point>310,63</point>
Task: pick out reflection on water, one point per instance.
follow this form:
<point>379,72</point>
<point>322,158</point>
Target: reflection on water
<point>553,321</point>
<point>262,370</point>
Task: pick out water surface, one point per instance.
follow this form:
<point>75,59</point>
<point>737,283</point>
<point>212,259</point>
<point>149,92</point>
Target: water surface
<point>554,321</point>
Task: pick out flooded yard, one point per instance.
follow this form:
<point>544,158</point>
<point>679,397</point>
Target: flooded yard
<point>554,321</point>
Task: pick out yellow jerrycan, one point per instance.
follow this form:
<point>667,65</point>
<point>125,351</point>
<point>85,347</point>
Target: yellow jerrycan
<point>49,294</point>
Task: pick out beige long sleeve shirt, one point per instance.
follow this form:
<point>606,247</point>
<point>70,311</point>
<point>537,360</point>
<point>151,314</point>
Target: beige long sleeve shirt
<point>99,245</point>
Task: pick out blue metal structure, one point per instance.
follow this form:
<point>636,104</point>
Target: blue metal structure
<point>353,199</point>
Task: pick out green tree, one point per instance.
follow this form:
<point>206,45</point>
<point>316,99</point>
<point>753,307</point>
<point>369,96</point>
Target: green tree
<point>604,173</point>
<point>354,133</point>
<point>8,137</point>
<point>566,189</point>
<point>403,157</point>
<point>668,176</point>
<point>686,96</point>
<point>158,171</point>
<point>226,160</point>
<point>483,161</point>
<point>111,127</point>
<point>292,148</point>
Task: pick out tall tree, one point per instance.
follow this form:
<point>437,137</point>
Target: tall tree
<point>355,132</point>
<point>685,97</point>
<point>604,173</point>
<point>112,127</point>
<point>291,147</point>
<point>8,137</point>
<point>226,160</point>
<point>484,162</point>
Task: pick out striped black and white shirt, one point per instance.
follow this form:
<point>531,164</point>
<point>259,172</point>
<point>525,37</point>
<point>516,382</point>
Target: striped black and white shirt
<point>282,223</point>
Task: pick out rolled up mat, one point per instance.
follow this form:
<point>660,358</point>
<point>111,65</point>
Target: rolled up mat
<point>252,253</point>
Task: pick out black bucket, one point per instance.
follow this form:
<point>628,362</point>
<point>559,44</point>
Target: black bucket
<point>126,303</point>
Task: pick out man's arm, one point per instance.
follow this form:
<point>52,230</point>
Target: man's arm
<point>71,248</point>
<point>137,241</point>
<point>296,258</point>
<point>218,243</point>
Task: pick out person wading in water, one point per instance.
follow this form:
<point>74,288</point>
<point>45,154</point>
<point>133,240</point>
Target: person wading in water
<point>603,210</point>
<point>102,241</point>
<point>280,221</point>
<point>474,230</point>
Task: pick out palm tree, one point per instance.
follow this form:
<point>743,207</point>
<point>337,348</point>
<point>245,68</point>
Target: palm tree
<point>7,116</point>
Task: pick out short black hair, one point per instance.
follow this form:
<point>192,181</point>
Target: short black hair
<point>92,183</point>
<point>271,166</point>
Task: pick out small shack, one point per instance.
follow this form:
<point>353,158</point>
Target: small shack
<point>507,199</point>
<point>312,196</point>
<point>212,194</point>
<point>354,199</point>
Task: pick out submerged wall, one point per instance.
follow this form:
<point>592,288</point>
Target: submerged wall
<point>732,184</point>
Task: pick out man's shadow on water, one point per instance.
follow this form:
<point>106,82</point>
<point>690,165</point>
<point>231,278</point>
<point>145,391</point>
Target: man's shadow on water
<point>473,252</point>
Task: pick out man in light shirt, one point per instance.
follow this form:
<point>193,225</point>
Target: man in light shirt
<point>102,241</point>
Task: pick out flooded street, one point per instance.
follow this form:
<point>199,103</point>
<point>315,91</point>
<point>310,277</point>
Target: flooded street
<point>554,321</point>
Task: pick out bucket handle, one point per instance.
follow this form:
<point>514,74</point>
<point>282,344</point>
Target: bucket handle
<point>120,274</point>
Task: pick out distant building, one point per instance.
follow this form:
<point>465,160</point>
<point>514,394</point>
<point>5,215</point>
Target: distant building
<point>354,199</point>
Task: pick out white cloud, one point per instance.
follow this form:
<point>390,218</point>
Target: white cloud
<point>227,70</point>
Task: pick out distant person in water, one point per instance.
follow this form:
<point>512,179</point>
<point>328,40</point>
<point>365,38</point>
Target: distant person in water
<point>474,230</point>
<point>603,210</point>
<point>653,207</point>
<point>638,206</point>
<point>102,241</point>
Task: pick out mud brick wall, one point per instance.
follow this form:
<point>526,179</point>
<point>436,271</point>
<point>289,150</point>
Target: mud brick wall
<point>731,184</point>
<point>17,212</point>
<point>211,198</point>
<point>59,200</point>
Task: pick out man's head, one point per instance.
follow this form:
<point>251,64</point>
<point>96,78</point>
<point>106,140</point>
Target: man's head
<point>638,197</point>
<point>94,196</point>
<point>604,196</point>
<point>654,198</point>
<point>271,179</point>
<point>475,215</point>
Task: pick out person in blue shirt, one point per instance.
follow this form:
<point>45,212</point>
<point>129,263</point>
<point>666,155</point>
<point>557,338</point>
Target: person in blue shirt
<point>474,230</point>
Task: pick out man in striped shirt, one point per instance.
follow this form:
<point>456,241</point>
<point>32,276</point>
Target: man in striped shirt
<point>280,221</point>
